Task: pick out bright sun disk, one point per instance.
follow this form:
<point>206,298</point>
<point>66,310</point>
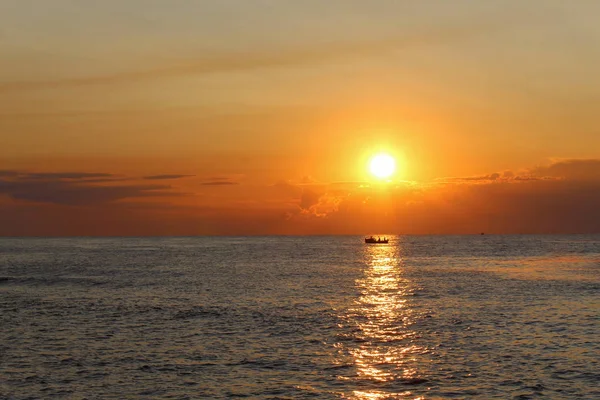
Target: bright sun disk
<point>382,166</point>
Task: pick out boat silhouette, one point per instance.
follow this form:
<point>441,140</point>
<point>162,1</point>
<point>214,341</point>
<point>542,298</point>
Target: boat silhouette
<point>372,240</point>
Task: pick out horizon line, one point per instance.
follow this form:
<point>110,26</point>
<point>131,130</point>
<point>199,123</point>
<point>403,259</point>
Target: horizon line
<point>286,235</point>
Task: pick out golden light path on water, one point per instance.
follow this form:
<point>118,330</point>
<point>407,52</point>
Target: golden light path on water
<point>382,346</point>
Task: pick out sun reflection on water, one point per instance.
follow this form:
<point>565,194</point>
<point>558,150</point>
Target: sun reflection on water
<point>381,343</point>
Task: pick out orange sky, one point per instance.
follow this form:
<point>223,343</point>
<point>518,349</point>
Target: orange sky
<point>225,117</point>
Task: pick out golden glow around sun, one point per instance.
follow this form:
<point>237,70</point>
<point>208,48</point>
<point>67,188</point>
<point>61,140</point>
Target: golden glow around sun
<point>382,165</point>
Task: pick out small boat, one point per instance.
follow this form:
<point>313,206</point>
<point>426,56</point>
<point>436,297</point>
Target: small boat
<point>372,240</point>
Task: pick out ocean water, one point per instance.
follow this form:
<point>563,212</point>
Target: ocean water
<point>424,317</point>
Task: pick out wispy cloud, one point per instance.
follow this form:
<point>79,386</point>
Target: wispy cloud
<point>570,169</point>
<point>55,175</point>
<point>581,169</point>
<point>219,183</point>
<point>239,62</point>
<point>66,193</point>
<point>473,179</point>
<point>65,175</point>
<point>75,188</point>
<point>8,173</point>
<point>166,177</point>
<point>222,180</point>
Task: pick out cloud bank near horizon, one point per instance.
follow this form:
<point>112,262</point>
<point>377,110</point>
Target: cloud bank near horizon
<point>561,197</point>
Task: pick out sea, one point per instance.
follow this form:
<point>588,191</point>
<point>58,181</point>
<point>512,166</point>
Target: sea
<point>313,317</point>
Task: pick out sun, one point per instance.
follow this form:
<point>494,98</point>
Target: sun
<point>382,165</point>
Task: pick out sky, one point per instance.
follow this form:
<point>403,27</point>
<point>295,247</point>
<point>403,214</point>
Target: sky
<point>251,117</point>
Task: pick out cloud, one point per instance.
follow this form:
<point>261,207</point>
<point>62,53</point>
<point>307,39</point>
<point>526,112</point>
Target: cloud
<point>53,175</point>
<point>527,178</point>
<point>166,177</point>
<point>562,197</point>
<point>508,174</point>
<point>309,198</point>
<point>288,188</point>
<point>576,169</point>
<point>74,188</point>
<point>239,62</point>
<point>220,181</point>
<point>482,178</point>
<point>77,194</point>
<point>66,175</point>
<point>4,173</point>
<point>570,169</point>
<point>529,201</point>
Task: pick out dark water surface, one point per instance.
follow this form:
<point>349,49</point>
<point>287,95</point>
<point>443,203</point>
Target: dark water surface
<point>425,317</point>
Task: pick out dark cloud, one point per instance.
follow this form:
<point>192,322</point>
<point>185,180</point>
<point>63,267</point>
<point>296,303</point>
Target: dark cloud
<point>219,181</point>
<point>481,178</point>
<point>522,178</point>
<point>67,193</point>
<point>65,175</point>
<point>54,175</point>
<point>570,169</point>
<point>535,206</point>
<point>576,169</point>
<point>74,188</point>
<point>166,177</point>
<point>5,173</point>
